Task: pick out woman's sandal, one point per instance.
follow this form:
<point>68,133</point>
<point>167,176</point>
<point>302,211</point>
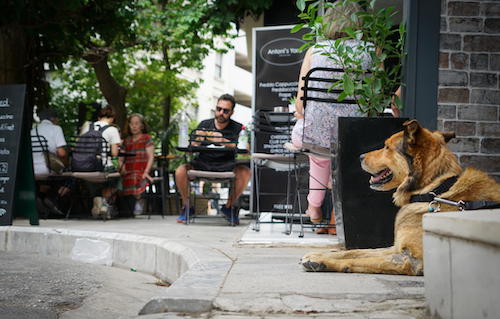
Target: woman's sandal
<point>314,220</point>
<point>331,230</point>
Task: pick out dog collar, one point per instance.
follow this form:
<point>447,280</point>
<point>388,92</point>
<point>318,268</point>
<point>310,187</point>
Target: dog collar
<point>442,188</point>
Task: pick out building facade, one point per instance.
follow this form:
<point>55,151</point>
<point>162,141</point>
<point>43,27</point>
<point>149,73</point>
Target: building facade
<point>469,81</point>
<point>223,73</point>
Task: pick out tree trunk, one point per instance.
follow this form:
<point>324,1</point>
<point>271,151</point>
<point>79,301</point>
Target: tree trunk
<point>113,92</point>
<point>13,55</point>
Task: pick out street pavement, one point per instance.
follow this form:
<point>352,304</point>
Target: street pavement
<point>262,281</point>
<point>33,286</point>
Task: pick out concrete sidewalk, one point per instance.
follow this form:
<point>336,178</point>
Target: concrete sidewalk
<point>223,276</point>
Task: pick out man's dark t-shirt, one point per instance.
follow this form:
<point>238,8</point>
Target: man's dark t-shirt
<point>218,161</point>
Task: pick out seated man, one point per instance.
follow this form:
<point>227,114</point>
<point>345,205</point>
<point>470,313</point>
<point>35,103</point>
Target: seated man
<point>226,133</point>
<point>49,129</point>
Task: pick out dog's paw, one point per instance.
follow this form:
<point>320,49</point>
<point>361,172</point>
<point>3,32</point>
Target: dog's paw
<point>313,262</point>
<point>312,266</point>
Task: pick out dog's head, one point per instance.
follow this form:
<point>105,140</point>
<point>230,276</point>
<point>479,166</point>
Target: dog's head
<point>410,159</point>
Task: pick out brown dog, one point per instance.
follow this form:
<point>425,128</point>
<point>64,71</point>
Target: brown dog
<point>415,161</point>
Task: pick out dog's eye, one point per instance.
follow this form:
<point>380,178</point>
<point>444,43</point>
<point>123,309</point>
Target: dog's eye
<point>386,147</point>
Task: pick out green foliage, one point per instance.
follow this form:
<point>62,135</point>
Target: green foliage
<point>372,87</point>
<point>60,29</point>
<point>148,81</point>
<point>151,43</point>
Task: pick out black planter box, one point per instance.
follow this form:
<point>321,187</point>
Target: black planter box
<point>364,217</point>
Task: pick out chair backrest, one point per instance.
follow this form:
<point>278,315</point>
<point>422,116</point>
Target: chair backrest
<point>329,95</point>
<point>318,87</point>
<point>274,128</point>
<point>204,137</point>
<point>39,144</point>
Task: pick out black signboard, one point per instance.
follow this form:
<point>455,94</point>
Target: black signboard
<point>276,66</point>
<point>11,119</point>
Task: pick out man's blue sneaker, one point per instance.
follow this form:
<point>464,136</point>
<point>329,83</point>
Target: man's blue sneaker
<point>182,217</point>
<point>230,215</point>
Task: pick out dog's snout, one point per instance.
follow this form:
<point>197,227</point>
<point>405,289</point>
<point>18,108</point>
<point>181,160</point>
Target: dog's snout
<point>361,157</point>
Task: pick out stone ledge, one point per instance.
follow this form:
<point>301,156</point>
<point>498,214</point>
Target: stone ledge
<point>461,258</point>
<point>196,273</point>
<point>480,225</point>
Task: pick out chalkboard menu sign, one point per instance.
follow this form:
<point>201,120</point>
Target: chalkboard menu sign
<point>277,61</point>
<point>11,119</point>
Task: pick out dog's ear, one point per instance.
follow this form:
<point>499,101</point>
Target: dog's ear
<point>448,136</point>
<point>411,130</point>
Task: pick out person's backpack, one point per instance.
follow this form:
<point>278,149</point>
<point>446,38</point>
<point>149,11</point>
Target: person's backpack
<point>86,156</point>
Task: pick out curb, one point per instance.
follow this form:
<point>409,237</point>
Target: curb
<point>196,273</point>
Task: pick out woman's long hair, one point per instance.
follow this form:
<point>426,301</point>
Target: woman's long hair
<point>338,17</point>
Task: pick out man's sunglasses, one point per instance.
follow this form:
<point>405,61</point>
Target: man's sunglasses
<point>220,109</point>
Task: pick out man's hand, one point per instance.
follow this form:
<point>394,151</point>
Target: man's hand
<point>200,135</point>
<point>147,176</point>
<point>215,137</point>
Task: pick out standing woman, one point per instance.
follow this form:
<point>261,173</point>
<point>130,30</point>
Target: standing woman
<point>135,169</point>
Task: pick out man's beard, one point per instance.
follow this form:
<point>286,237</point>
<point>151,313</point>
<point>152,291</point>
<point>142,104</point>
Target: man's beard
<point>221,119</point>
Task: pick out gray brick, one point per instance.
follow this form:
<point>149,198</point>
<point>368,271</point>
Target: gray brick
<point>478,43</point>
<point>447,112</point>
<point>464,145</point>
<point>488,129</point>
<point>443,60</point>
<point>487,163</point>
<point>466,25</point>
<point>490,9</point>
<point>460,128</point>
<point>459,60</point>
<point>440,125</point>
<point>477,112</point>
<point>450,42</point>
<point>444,25</point>
<point>482,96</point>
<point>463,8</point>
<point>492,26</point>
<point>453,78</point>
<point>495,62</point>
<point>490,146</point>
<point>444,7</point>
<point>483,80</point>
<point>479,61</point>
<point>449,95</point>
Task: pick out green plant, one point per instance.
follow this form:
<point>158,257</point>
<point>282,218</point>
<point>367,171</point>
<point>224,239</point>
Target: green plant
<point>373,87</point>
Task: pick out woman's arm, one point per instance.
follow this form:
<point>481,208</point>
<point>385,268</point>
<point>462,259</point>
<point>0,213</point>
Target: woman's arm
<point>306,66</point>
<point>395,110</point>
<point>121,161</point>
<point>150,153</point>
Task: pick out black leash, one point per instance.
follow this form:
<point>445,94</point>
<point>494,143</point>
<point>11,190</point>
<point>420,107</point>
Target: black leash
<point>434,201</point>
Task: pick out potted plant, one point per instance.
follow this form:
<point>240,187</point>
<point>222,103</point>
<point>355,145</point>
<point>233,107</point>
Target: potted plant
<point>364,218</point>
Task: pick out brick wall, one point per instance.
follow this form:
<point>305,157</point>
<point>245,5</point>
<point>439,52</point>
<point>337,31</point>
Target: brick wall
<point>469,81</point>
